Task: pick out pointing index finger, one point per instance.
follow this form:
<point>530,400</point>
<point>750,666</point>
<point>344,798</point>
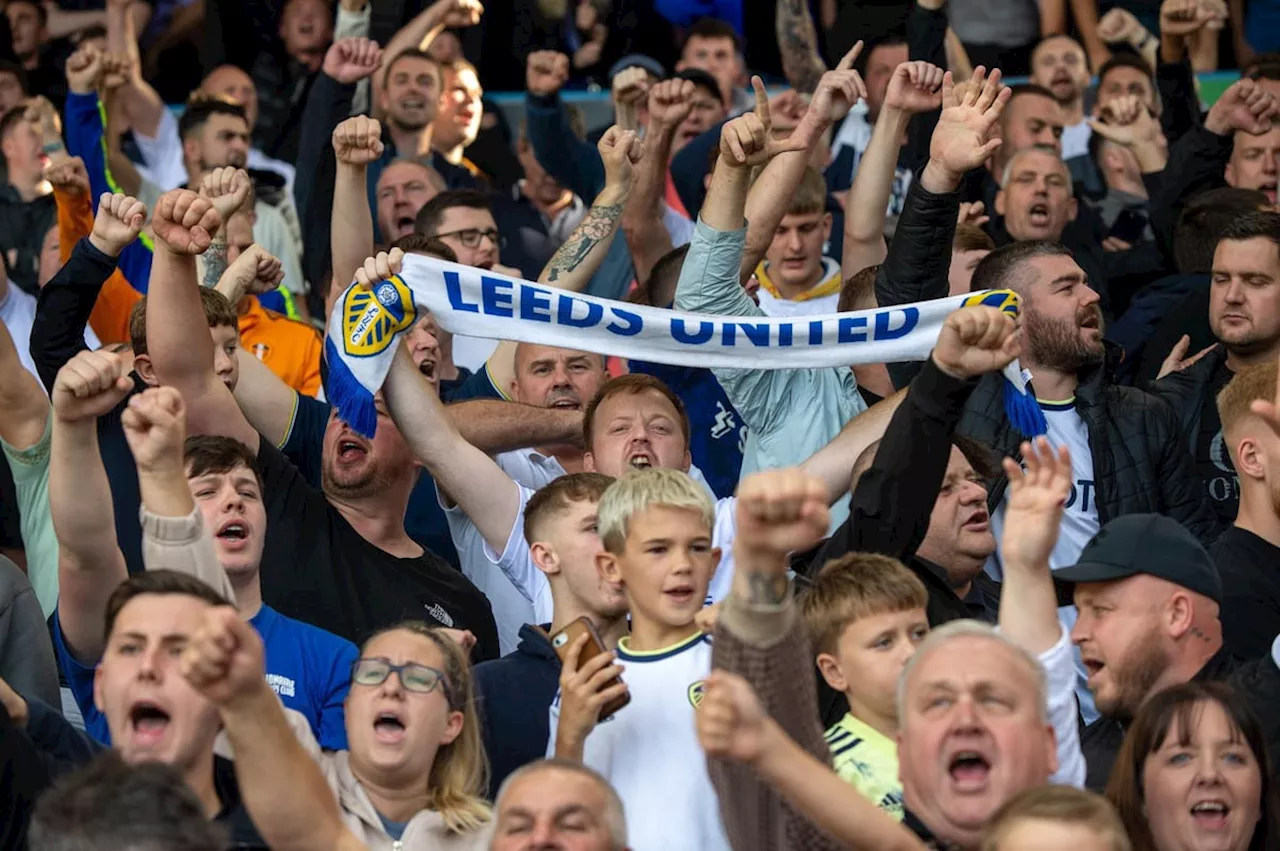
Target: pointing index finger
<point>849,58</point>
<point>762,102</point>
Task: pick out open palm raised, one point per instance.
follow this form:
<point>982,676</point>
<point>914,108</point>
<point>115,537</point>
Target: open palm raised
<point>965,136</point>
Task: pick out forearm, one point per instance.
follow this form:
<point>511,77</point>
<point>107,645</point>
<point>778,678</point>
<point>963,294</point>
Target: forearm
<point>182,542</point>
<point>725,207</point>
<point>833,463</point>
<point>1203,48</point>
<point>62,23</point>
<point>574,163</point>
<point>470,478</point>
<point>63,308</point>
<point>351,232</point>
<point>798,45</point>
<point>286,794</point>
<point>178,337</point>
<point>80,496</point>
<point>868,206</point>
<point>573,264</point>
<point>767,202</point>
<point>1053,17</point>
<point>642,225</point>
<point>214,264</point>
<point>418,33</point>
<point>23,403</point>
<point>1085,13</point>
<point>494,426</point>
<point>1029,604</point>
<point>833,804</point>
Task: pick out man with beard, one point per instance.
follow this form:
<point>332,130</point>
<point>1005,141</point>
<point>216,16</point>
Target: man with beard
<point>339,558</point>
<point>1149,600</point>
<point>1059,64</point>
<point>1244,314</point>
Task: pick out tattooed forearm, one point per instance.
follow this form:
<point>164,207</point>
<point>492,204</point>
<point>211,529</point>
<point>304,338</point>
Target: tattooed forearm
<point>798,44</point>
<point>596,227</point>
<point>215,262</point>
<point>767,589</point>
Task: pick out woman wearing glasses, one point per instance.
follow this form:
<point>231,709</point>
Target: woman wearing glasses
<point>413,777</point>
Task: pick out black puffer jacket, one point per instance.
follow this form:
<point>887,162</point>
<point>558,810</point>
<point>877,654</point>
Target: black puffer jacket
<point>1186,391</point>
<point>1140,462</point>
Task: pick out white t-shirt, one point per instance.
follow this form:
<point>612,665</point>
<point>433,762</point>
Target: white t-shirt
<point>1079,521</point>
<point>18,313</point>
<point>1075,140</point>
<point>649,750</point>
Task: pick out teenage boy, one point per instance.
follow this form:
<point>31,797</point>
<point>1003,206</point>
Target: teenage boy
<point>559,526</point>
<point>309,668</point>
<point>865,614</point>
<point>656,527</point>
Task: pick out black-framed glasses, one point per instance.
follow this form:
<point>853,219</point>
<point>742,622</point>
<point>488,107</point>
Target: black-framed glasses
<point>470,237</point>
<point>422,679</point>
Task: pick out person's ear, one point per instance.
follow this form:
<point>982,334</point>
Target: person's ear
<point>589,463</point>
<point>142,366</point>
<point>452,729</point>
<point>544,558</point>
<point>1000,202</point>
<point>829,667</point>
<point>1250,459</point>
<point>826,226</point>
<point>609,567</point>
<point>1073,207</point>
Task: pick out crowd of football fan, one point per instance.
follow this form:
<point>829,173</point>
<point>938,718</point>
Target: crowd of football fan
<point>566,600</point>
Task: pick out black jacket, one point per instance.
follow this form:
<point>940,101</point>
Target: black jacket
<point>1187,391</point>
<point>1140,462</point>
<point>1257,681</point>
<point>23,225</point>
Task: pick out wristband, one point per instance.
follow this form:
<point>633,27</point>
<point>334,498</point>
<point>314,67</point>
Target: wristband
<point>53,147</point>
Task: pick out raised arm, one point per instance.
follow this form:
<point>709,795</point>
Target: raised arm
<point>229,189</point>
<point>573,264</point>
<point>356,143</point>
<point>178,339</point>
<point>642,226</point>
<point>24,408</point>
<point>770,195</point>
<point>915,88</point>
<point>140,102</point>
<point>90,563</point>
<point>470,478</point>
<point>283,788</point>
<point>570,160</point>
<point>798,44</point>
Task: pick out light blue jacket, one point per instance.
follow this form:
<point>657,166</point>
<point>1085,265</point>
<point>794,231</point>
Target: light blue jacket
<point>790,413</point>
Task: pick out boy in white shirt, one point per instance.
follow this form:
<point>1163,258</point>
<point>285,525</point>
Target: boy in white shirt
<point>656,528</point>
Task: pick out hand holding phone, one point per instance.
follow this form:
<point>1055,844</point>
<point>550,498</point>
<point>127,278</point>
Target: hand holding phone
<point>590,683</point>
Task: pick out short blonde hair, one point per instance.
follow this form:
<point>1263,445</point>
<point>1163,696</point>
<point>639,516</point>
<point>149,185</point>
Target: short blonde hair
<point>856,586</point>
<point>1246,386</point>
<point>1064,804</point>
<point>810,196</point>
<point>643,489</point>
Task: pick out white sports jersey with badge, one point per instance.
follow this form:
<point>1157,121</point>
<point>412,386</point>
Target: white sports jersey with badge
<point>649,750</point>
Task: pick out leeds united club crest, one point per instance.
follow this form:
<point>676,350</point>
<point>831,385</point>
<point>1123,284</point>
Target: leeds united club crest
<point>371,319</point>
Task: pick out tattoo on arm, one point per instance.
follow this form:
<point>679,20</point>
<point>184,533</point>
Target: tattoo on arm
<point>798,44</point>
<point>767,590</point>
<point>215,262</point>
<point>597,226</point>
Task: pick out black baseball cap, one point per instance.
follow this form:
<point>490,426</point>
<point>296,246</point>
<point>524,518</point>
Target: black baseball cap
<point>1146,543</point>
<point>702,80</point>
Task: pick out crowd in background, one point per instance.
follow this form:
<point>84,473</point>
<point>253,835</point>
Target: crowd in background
<point>1022,593</point>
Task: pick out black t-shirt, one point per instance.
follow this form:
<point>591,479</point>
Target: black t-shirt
<point>1213,459</point>
<point>317,568</point>
<point>1250,570</point>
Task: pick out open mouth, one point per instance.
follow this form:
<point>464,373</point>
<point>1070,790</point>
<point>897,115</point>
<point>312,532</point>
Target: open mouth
<point>1039,214</point>
<point>566,404</point>
<point>969,769</point>
<point>1093,666</point>
<point>388,728</point>
<point>351,450</point>
<point>428,368</point>
<point>979,521</point>
<point>640,460</point>
<point>405,225</point>
<point>680,594</point>
<point>233,531</point>
<point>149,722</point>
<point>1211,815</point>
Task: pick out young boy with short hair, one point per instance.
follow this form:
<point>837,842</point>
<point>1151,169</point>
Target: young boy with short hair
<point>656,528</point>
<point>865,614</point>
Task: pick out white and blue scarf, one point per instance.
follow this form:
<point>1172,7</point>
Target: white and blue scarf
<point>365,325</point>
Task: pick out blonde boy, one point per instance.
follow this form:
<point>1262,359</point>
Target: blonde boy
<point>656,528</point>
<point>866,614</point>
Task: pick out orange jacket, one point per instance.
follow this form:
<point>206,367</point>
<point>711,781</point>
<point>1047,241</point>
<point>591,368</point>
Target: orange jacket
<point>291,349</point>
<point>110,317</point>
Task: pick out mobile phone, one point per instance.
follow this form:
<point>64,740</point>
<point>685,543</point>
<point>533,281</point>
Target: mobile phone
<point>564,639</point>
<point>1129,226</point>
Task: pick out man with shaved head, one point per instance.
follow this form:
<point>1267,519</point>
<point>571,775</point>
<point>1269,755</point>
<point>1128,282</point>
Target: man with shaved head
<point>1149,598</point>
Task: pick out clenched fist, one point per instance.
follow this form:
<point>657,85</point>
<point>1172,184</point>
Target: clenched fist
<point>155,427</point>
<point>546,72</point>
<point>620,150</point>
<point>670,102</point>
<point>185,222</point>
<point>630,85</point>
<point>255,272</point>
<point>350,60</point>
<point>358,140</point>
<point>84,70</point>
<point>228,188</point>
<point>781,511</point>
<point>68,175</point>
<point>1246,106</point>
<point>380,267</point>
<point>915,87</point>
<point>223,660</point>
<point>976,340</point>
<point>89,385</point>
<point>118,223</point>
